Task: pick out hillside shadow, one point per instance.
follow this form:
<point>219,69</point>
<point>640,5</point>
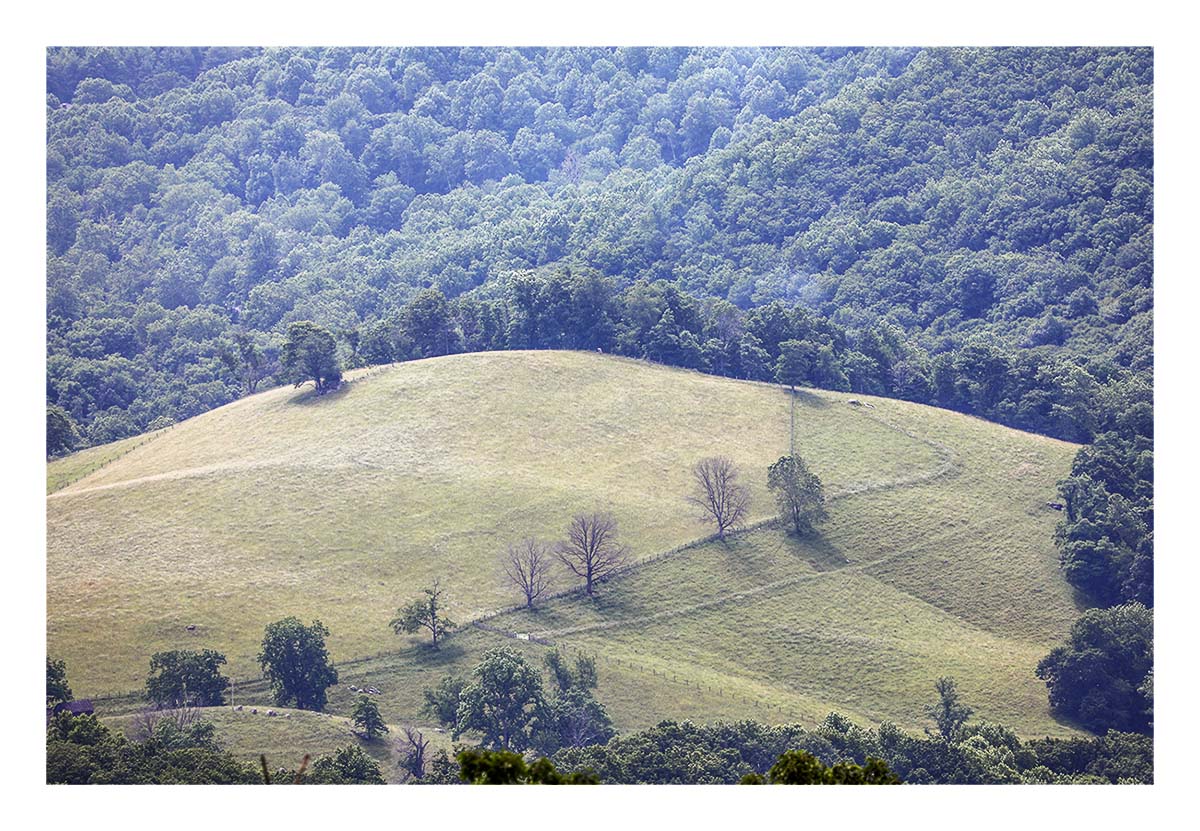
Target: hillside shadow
<point>812,400</point>
<point>447,653</point>
<point>310,398</point>
<point>815,549</point>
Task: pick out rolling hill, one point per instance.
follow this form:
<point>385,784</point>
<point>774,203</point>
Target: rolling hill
<point>937,558</point>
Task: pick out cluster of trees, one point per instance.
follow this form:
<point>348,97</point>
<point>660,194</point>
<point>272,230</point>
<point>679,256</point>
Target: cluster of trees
<point>992,207</point>
<point>967,753</point>
<point>1103,677</point>
<point>590,550</point>
<point>1106,538</point>
<point>80,750</point>
<point>507,705</point>
<point>794,767</point>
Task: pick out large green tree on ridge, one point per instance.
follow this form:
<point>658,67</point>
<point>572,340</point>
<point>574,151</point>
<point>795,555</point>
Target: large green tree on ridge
<point>294,661</point>
<point>310,354</point>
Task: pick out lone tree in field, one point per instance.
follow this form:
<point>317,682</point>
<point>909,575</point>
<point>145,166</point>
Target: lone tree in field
<point>310,354</point>
<point>719,496</point>
<point>294,661</point>
<point>591,550</point>
<point>424,614</point>
<point>367,718</point>
<point>798,493</point>
<point>186,677</point>
<point>949,714</point>
<point>527,566</point>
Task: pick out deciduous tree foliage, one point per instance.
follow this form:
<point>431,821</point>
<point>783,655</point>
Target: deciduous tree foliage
<point>80,750</point>
<point>57,688</point>
<point>295,663</point>
<point>186,677</point>
<point>1099,676</point>
<point>949,713</point>
<point>796,767</point>
<point>798,493</point>
<point>427,613</point>
<point>993,207</point>
<point>348,766</point>
<point>367,718</point>
<point>310,354</point>
<point>503,767</point>
<point>62,434</point>
<point>503,702</point>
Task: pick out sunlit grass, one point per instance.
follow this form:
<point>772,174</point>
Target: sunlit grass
<point>936,559</point>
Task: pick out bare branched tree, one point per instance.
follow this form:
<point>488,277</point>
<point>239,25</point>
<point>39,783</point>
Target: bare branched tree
<point>719,496</point>
<point>528,568</point>
<point>591,550</point>
<point>147,721</point>
<point>412,752</point>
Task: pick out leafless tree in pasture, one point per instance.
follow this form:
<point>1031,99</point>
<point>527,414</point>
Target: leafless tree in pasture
<point>591,550</point>
<point>412,752</point>
<point>527,566</point>
<point>719,495</point>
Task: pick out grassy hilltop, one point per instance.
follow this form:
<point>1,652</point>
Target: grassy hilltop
<point>937,558</point>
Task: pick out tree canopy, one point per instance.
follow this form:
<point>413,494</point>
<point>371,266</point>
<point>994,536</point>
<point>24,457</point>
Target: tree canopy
<point>977,221</point>
<point>1099,677</point>
<point>186,677</point>
<point>295,663</point>
<point>798,492</point>
<point>502,702</point>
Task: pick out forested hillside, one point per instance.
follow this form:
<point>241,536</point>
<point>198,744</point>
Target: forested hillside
<point>965,227</point>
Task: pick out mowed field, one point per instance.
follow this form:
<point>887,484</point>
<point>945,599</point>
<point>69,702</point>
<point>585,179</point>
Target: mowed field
<point>937,558</point>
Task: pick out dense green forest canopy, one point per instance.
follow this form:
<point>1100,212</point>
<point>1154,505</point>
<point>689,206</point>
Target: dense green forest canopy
<point>968,227</point>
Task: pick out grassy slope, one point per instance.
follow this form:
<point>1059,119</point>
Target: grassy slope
<point>342,507</point>
<point>70,469</point>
